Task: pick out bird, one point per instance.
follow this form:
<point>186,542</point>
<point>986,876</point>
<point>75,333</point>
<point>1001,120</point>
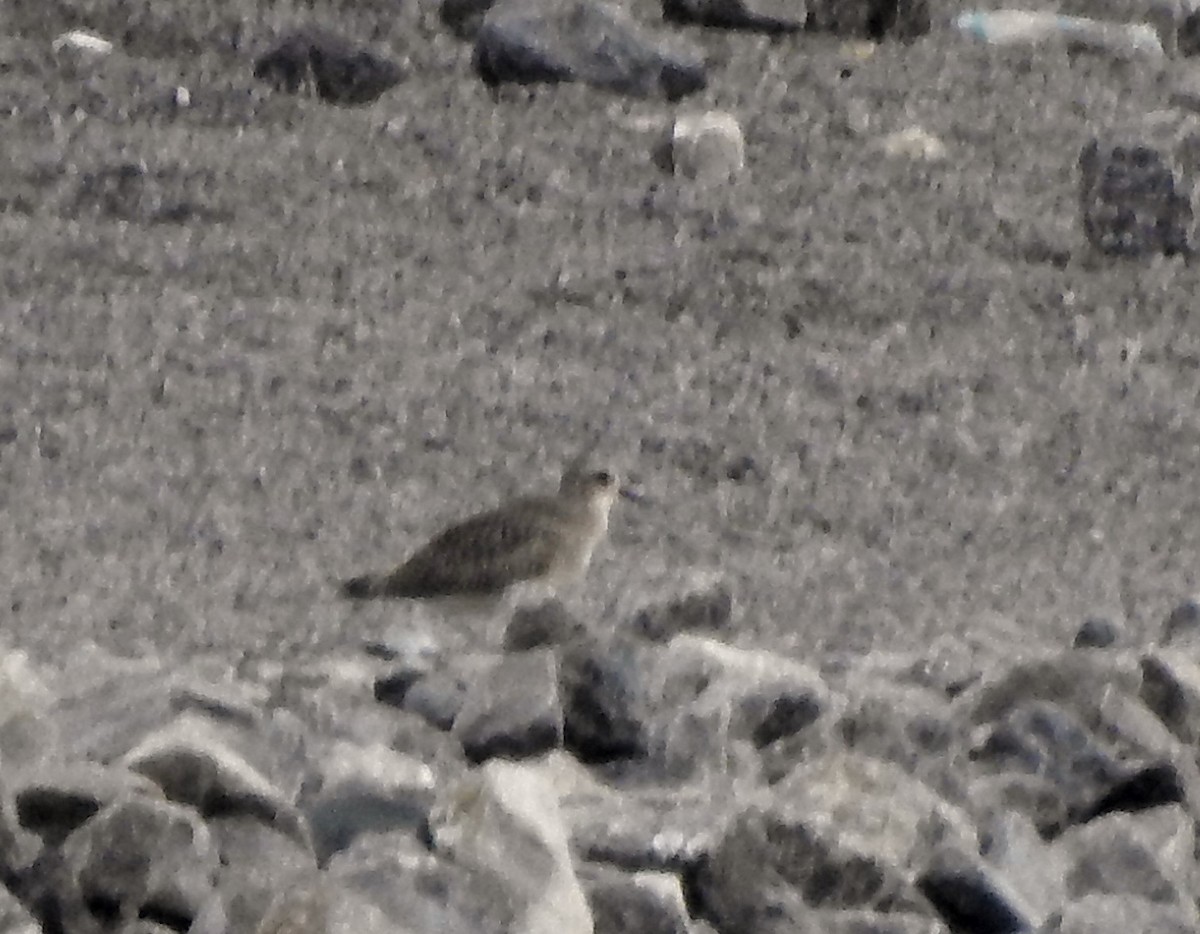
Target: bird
<point>528,544</point>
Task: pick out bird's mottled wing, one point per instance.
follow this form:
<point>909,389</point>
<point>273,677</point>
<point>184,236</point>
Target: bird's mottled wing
<point>482,555</point>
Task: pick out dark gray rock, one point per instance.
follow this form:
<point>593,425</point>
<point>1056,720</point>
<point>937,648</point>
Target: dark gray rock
<point>836,834</point>
<point>603,694</point>
<point>870,19</point>
<point>513,710</point>
<point>1181,628</point>
<point>1171,689</point>
<point>55,800</point>
<point>1138,788</point>
<point>757,16</point>
<point>971,897</point>
<point>464,17</point>
<point>139,858</point>
<point>700,603</point>
<point>341,71</point>
<point>1138,187</point>
<point>392,688</point>
<point>528,41</point>
<point>547,624</point>
<point>439,696</point>
<point>1097,632</point>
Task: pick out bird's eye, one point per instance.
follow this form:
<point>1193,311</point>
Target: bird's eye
<point>603,478</point>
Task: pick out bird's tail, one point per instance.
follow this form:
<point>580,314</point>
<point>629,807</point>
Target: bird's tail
<point>363,587</point>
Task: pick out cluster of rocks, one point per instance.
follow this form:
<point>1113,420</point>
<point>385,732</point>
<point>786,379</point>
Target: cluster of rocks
<point>655,778</point>
<point>589,41</point>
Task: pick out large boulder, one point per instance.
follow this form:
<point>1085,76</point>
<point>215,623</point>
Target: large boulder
<point>528,41</point>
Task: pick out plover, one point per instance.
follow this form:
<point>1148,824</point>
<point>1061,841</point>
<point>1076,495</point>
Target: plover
<point>530,546</point>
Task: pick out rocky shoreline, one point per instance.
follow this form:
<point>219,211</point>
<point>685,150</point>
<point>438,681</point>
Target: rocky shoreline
<point>655,778</point>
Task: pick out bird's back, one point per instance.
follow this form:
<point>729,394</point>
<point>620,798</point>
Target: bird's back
<point>528,539</point>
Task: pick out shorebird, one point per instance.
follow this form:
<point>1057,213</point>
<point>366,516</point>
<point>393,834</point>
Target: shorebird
<point>529,546</point>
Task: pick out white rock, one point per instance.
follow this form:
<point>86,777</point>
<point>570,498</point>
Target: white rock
<point>503,820</point>
<point>707,146</point>
<point>82,43</point>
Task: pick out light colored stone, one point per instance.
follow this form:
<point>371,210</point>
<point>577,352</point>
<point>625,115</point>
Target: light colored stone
<point>707,146</point>
<point>503,821</point>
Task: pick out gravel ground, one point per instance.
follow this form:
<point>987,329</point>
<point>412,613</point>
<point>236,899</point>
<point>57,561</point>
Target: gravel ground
<point>890,400</point>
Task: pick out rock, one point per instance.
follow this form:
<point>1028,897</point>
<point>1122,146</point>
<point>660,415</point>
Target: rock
<point>1139,788</point>
<point>1148,855</point>
<point>55,800</point>
<point>1119,914</point>
<point>413,889</point>
<point>971,897</point>
<point>439,696</point>
<point>870,19</point>
<point>1073,681</point>
<point>366,790</point>
<point>392,688</point>
<point>1134,730</point>
<point>81,43</point>
<point>527,41</point>
<point>194,762</point>
<point>836,834</point>
<point>1181,628</point>
<point>773,19</point>
<point>1013,850</point>
<point>1138,187</point>
<point>263,873</point>
<point>1068,766</point>
<point>669,828</point>
<point>1171,689</point>
<point>142,858</point>
<point>503,821</point>
<point>1187,36</point>
<point>718,707</point>
<point>513,710</point>
<point>341,71</point>
<point>645,902</point>
<point>547,624</point>
<point>604,699</point>
<point>1165,16</point>
<point>700,601</point>
<point>1097,632</point>
<point>464,17</point>
<point>914,143</point>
